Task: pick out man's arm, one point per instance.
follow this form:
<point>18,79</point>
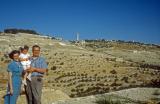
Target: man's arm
<point>40,70</point>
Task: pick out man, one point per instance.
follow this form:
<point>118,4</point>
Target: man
<point>38,68</point>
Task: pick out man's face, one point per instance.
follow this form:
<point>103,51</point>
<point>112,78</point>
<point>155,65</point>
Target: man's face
<point>36,52</point>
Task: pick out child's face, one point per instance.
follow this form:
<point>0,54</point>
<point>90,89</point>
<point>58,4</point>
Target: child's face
<point>25,51</point>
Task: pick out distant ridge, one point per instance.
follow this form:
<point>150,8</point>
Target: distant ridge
<point>15,31</point>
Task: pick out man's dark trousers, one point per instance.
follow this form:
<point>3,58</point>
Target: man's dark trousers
<point>34,90</point>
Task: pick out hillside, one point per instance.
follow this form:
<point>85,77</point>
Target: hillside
<point>87,68</point>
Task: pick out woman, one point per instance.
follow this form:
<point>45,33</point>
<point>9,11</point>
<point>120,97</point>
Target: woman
<point>14,78</point>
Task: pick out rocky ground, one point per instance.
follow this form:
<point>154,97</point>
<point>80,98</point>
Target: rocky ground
<point>48,96</point>
<point>129,96</point>
<point>79,70</point>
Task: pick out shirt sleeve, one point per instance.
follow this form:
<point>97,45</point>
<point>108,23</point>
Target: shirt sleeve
<point>28,55</point>
<point>44,64</point>
<point>9,69</point>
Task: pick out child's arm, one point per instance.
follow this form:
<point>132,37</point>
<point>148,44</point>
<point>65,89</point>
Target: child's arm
<point>29,57</point>
<point>25,75</point>
<point>23,59</point>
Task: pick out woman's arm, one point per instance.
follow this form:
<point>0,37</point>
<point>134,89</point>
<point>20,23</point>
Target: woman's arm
<point>10,82</point>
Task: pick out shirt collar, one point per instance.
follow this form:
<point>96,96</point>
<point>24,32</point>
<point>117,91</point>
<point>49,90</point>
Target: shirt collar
<point>34,58</point>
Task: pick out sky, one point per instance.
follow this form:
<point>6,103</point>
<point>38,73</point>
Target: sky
<point>137,20</point>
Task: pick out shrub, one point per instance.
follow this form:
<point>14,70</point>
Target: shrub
<point>156,92</point>
<point>2,59</point>
<point>7,61</point>
<point>155,83</point>
<point>91,55</point>
<point>116,65</point>
<point>95,74</point>
<point>113,59</point>
<point>62,63</point>
<point>150,66</point>
<point>108,100</point>
<point>114,84</point>
<point>125,79</point>
<point>113,72</point>
<point>104,71</point>
<point>53,68</point>
<point>73,90</point>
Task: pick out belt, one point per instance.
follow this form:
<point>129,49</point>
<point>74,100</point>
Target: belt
<point>16,74</point>
<point>36,76</point>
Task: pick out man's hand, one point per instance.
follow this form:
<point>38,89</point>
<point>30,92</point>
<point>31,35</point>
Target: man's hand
<point>26,59</point>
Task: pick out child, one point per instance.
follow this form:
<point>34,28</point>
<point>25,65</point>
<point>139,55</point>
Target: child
<point>24,58</point>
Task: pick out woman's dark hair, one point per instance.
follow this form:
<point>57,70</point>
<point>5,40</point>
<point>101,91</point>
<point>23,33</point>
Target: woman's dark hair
<point>12,53</point>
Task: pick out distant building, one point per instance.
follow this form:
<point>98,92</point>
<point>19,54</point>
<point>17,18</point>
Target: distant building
<point>83,42</point>
<point>77,36</point>
<point>59,38</point>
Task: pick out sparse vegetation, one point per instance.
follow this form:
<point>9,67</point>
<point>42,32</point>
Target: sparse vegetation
<point>113,71</point>
<point>108,100</point>
<point>156,92</point>
<point>80,71</point>
<point>2,59</point>
<point>157,67</point>
<point>125,79</point>
<point>53,68</point>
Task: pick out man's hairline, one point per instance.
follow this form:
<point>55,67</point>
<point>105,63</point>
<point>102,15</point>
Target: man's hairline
<point>36,47</point>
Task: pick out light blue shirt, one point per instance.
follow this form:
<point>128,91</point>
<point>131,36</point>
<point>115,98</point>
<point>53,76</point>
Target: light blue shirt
<point>39,62</point>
